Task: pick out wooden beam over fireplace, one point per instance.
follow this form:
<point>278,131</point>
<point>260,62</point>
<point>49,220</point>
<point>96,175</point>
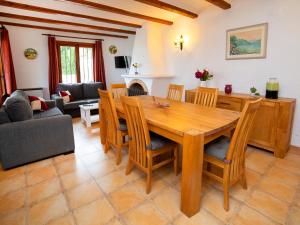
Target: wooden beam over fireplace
<point>120,11</point>
<point>169,7</point>
<point>220,3</point>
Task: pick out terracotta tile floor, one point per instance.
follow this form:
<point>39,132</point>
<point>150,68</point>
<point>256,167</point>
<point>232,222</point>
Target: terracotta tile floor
<point>88,188</point>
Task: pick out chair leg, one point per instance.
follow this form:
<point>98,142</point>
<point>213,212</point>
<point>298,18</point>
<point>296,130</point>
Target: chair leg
<point>176,160</point>
<point>129,167</point>
<point>226,196</point>
<point>106,147</point>
<point>119,155</point>
<point>149,174</point>
<point>244,181</point>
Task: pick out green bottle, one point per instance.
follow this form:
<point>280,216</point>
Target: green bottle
<point>272,88</point>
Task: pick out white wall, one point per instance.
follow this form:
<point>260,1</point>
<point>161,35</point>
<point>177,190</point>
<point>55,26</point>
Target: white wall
<point>206,49</point>
<point>34,73</point>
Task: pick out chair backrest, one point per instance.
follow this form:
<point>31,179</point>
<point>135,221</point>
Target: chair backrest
<point>107,106</point>
<point>118,90</point>
<point>236,151</point>
<point>175,92</point>
<point>137,130</point>
<point>206,96</point>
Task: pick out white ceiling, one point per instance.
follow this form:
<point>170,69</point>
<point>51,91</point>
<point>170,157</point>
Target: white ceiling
<point>195,6</point>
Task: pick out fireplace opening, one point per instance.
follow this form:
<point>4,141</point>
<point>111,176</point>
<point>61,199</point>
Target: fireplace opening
<point>136,89</point>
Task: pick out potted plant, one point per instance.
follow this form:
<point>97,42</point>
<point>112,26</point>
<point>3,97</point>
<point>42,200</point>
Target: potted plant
<point>204,76</point>
<point>253,91</point>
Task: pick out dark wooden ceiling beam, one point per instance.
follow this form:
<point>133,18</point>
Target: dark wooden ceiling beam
<point>220,3</point>
<point>50,21</point>
<point>169,7</point>
<point>120,11</point>
<point>60,12</point>
<point>60,29</point>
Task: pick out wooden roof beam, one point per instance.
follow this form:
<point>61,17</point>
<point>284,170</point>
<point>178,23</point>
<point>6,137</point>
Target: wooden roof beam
<point>220,3</point>
<point>60,12</point>
<point>61,29</point>
<point>120,11</point>
<point>50,21</point>
<point>169,7</point>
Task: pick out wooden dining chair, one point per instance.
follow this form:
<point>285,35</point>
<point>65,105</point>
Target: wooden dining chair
<point>145,147</point>
<point>175,92</point>
<point>206,96</point>
<point>116,128</point>
<point>229,155</point>
<point>118,90</point>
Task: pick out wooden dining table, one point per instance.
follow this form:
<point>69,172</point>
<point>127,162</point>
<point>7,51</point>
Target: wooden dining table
<point>190,125</point>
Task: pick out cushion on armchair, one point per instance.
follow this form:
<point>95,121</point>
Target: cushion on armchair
<point>3,116</point>
<point>18,109</point>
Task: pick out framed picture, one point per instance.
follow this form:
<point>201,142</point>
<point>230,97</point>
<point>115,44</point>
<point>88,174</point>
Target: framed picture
<point>247,42</point>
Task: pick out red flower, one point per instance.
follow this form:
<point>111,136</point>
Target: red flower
<point>199,74</point>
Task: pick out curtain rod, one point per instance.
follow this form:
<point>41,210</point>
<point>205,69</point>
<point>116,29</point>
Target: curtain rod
<point>53,35</point>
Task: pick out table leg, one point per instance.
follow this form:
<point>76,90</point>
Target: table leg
<point>82,115</point>
<point>88,118</point>
<point>192,162</point>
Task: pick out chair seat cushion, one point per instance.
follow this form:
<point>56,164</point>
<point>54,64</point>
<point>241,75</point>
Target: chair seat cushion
<point>218,148</point>
<point>157,142</point>
<point>123,125</point>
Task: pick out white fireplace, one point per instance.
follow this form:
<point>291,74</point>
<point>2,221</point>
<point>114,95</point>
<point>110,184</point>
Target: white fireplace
<point>156,85</point>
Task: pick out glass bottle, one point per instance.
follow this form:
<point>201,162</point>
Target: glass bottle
<point>272,88</point>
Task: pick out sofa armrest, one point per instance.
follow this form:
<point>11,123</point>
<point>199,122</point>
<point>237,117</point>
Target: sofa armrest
<point>35,139</point>
<point>50,103</point>
<point>59,101</point>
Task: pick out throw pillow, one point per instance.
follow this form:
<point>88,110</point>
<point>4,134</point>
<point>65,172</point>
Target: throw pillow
<point>66,95</point>
<point>38,103</point>
<point>18,109</point>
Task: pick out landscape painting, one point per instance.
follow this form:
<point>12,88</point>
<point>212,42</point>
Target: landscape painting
<point>247,42</point>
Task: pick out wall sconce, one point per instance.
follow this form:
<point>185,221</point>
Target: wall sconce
<point>179,42</point>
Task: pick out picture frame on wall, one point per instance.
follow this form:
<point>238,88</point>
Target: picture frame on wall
<point>247,42</point>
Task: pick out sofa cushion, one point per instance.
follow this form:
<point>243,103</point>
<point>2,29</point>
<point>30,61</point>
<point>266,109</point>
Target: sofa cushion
<point>3,116</point>
<point>49,113</point>
<point>20,93</point>
<point>90,90</point>
<point>75,90</point>
<point>18,109</point>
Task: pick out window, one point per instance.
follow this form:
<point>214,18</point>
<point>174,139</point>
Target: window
<point>76,62</point>
<point>2,81</point>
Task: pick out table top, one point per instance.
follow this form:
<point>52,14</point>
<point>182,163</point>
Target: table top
<point>181,117</point>
<point>89,106</point>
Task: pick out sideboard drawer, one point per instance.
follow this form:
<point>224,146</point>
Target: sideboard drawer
<point>230,103</point>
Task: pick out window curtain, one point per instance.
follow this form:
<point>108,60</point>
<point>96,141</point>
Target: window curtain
<point>99,72</point>
<point>54,77</point>
<point>8,79</point>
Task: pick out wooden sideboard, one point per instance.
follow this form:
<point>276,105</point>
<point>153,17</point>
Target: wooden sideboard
<point>273,124</point>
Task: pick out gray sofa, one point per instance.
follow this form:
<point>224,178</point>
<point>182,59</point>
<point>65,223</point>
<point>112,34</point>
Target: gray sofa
<point>27,136</point>
<point>82,93</point>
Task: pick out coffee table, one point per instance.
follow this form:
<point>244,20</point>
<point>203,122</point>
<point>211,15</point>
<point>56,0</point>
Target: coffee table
<point>85,113</point>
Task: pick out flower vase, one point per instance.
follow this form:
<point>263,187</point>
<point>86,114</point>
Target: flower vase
<point>203,83</point>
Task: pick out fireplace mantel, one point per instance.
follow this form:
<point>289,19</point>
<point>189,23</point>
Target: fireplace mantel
<point>147,76</point>
<point>153,84</point>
